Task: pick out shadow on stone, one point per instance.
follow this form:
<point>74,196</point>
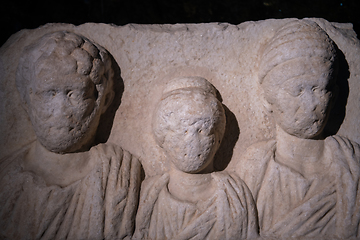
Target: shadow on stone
<point>337,114</point>
<point>107,119</point>
<point>232,132</point>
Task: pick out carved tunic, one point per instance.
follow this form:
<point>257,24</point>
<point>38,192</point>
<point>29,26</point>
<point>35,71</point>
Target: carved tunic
<point>290,205</point>
<point>101,205</point>
<point>229,214</point>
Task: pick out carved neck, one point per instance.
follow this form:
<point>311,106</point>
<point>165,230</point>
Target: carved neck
<point>190,187</point>
<point>305,156</point>
<point>57,169</point>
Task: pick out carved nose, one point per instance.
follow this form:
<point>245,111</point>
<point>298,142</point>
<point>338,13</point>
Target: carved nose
<point>310,101</point>
<point>61,108</point>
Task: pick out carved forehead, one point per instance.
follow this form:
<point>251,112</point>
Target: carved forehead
<point>189,82</point>
<point>298,39</point>
<point>184,107</point>
<point>55,65</point>
<point>61,82</point>
<point>315,67</point>
<point>189,104</point>
<point>189,98</point>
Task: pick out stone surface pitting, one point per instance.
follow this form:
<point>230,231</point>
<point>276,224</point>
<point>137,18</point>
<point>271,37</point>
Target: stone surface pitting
<point>269,130</point>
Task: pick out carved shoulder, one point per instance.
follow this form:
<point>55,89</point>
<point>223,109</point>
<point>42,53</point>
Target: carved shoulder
<point>252,165</point>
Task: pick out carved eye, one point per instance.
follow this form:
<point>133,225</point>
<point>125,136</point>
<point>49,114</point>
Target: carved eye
<point>50,93</point>
<point>318,90</point>
<point>295,92</point>
<point>70,94</point>
<point>300,91</point>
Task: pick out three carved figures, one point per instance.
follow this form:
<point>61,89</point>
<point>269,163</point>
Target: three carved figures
<point>303,183</point>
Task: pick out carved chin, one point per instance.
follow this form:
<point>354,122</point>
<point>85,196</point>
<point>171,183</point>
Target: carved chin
<point>60,143</point>
<point>65,135</point>
<point>191,163</point>
<point>65,139</point>
<point>307,129</point>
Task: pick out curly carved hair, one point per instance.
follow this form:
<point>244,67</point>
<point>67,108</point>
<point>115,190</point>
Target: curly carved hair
<point>70,52</point>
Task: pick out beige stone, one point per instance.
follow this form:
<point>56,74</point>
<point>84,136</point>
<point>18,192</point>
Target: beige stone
<point>226,55</point>
<point>61,185</point>
<point>305,182</point>
<point>191,200</point>
<point>232,59</point>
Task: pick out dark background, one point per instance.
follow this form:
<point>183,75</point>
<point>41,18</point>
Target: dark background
<point>18,14</point>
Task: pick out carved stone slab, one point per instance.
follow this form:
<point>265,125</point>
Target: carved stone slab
<point>149,55</point>
<point>235,60</point>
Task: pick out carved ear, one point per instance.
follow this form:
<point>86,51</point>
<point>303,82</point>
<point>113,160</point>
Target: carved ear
<point>108,100</point>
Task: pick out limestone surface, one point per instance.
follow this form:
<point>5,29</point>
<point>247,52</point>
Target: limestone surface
<point>284,148</point>
<point>63,184</point>
<point>305,181</point>
<point>191,200</point>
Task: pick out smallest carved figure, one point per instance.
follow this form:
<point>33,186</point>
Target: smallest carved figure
<point>191,201</point>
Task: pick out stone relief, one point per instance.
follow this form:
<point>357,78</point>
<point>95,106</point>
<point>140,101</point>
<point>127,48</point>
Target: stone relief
<point>61,186</point>
<point>263,145</point>
<point>191,201</point>
<point>305,184</point>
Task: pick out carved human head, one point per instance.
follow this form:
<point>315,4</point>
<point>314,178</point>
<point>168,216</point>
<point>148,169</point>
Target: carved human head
<point>189,123</point>
<point>66,83</point>
<point>298,73</point>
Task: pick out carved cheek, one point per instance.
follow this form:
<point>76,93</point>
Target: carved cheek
<point>285,108</point>
<point>188,153</point>
<point>323,107</point>
<point>41,109</point>
<point>200,147</point>
<point>85,108</point>
<point>284,101</point>
<point>173,145</point>
<point>288,113</point>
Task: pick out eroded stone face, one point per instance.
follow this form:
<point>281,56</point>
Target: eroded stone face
<point>62,111</point>
<point>302,102</point>
<point>189,124</point>
<point>62,81</point>
<point>72,186</point>
<point>298,74</point>
<point>292,175</point>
